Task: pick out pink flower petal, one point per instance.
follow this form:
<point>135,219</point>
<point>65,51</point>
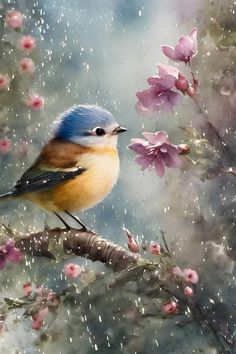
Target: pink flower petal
<point>156,138</point>
<point>15,255</point>
<point>167,70</point>
<point>170,52</point>
<point>72,270</point>
<point>148,97</point>
<point>14,19</point>
<point>154,248</point>
<point>2,262</point>
<point>188,291</point>
<point>177,271</point>
<point>167,82</point>
<point>159,167</point>
<point>153,80</point>
<point>170,307</point>
<point>193,35</point>
<point>184,50</point>
<point>138,145</point>
<point>27,289</point>
<point>191,276</point>
<point>144,161</point>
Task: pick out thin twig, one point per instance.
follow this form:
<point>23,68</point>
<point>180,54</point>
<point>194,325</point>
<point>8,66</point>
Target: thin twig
<point>209,123</point>
<point>164,241</point>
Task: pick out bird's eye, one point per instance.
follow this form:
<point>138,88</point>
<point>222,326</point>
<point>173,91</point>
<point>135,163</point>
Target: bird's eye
<point>100,131</point>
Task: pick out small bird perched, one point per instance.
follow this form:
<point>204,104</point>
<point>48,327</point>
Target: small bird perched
<point>78,167</point>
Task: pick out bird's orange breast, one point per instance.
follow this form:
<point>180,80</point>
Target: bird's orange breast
<point>87,189</point>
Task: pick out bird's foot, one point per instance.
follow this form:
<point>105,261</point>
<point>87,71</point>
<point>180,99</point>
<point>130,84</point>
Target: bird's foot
<point>67,226</point>
<point>84,228</point>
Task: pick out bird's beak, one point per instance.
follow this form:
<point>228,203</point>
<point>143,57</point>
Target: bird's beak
<point>119,130</point>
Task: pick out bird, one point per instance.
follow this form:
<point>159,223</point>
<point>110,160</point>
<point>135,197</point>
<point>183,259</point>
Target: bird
<point>77,168</point>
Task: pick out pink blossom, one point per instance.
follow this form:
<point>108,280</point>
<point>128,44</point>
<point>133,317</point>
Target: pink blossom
<point>191,91</point>
<point>42,313</point>
<point>35,102</point>
<point>184,50</point>
<point>27,44</point>
<point>177,271</point>
<point>183,149</point>
<point>188,291</point>
<point>8,252</point>
<point>182,83</point>
<point>159,97</point>
<point>53,300</point>
<point>72,270</point>
<point>132,244</point>
<point>170,307</point>
<point>155,152</point>
<point>154,248</point>
<point>14,19</point>
<point>38,318</point>
<point>26,66</point>
<point>36,325</point>
<point>5,146</point>
<point>27,289</point>
<point>4,82</point>
<point>190,276</point>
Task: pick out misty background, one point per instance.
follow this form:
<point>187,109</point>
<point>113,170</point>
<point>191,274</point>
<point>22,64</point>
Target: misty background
<point>102,52</point>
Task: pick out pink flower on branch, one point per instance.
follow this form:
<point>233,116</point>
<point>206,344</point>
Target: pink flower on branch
<point>156,152</point>
<point>8,252</point>
<point>72,270</point>
<point>5,146</point>
<point>27,44</point>
<point>190,276</point>
<point>170,307</point>
<point>14,19</point>
<point>154,248</point>
<point>26,66</point>
<point>177,271</point>
<point>160,97</point>
<point>4,82</point>
<point>27,289</point>
<point>35,102</point>
<point>132,244</point>
<point>188,291</point>
<point>38,318</point>
<point>185,50</point>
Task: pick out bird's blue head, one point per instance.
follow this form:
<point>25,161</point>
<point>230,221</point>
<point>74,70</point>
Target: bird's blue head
<point>88,125</point>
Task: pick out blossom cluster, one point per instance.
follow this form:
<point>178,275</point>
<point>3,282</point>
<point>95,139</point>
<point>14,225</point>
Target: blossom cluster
<point>45,299</point>
<point>165,89</point>
<point>8,252</point>
<point>188,276</point>
<point>27,44</point>
<point>156,152</point>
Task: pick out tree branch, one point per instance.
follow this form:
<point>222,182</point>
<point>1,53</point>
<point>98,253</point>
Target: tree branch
<point>49,243</point>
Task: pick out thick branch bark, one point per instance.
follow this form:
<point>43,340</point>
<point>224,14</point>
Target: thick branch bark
<point>80,243</point>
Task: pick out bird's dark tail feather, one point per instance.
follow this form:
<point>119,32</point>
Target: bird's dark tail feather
<point>6,196</point>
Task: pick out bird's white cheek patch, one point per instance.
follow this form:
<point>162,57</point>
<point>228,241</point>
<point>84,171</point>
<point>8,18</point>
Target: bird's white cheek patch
<point>100,141</point>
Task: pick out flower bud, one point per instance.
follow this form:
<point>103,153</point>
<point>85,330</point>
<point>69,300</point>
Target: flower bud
<point>188,291</point>
<point>183,149</point>
<point>177,271</point>
<point>27,289</point>
<point>191,276</point>
<point>170,307</point>
<point>72,270</point>
<point>182,83</point>
<point>14,19</point>
<point>191,91</point>
<point>154,248</point>
<point>133,245</point>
